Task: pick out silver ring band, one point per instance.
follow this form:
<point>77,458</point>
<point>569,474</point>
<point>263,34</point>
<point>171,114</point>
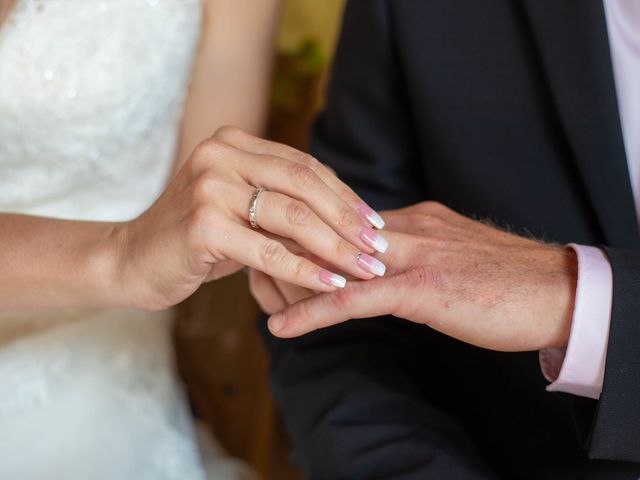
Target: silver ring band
<point>252,207</point>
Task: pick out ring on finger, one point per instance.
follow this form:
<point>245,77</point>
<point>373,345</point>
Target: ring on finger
<point>255,196</point>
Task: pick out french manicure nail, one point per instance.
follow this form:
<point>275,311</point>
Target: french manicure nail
<point>276,322</point>
<point>333,279</point>
<point>374,239</point>
<point>370,264</point>
<point>371,215</point>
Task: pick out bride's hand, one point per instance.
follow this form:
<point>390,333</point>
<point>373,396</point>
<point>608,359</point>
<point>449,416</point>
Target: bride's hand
<point>198,229</point>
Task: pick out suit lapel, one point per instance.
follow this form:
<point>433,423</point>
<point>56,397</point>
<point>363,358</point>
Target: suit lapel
<point>572,41</point>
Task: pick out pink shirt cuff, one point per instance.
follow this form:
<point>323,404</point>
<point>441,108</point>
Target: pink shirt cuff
<point>579,368</point>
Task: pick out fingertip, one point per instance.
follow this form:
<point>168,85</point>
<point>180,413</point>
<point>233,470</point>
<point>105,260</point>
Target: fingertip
<point>374,240</point>
<point>371,216</point>
<point>276,323</point>
<point>332,279</point>
<point>371,264</point>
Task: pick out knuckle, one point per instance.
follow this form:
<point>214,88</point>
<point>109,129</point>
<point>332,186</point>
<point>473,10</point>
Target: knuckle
<point>348,218</point>
<point>204,186</point>
<point>302,176</point>
<point>299,269</point>
<point>423,277</point>
<point>272,253</point>
<point>307,160</point>
<point>296,314</point>
<point>344,249</point>
<point>431,220</point>
<point>201,152</point>
<point>421,245</point>
<point>438,245</point>
<point>431,206</point>
<point>297,213</point>
<point>414,220</point>
<point>211,149</point>
<point>346,193</point>
<point>228,133</point>
<point>341,298</point>
<point>199,159</point>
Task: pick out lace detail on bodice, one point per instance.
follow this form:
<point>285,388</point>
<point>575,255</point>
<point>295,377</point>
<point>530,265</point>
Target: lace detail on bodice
<point>101,388</point>
<point>91,94</point>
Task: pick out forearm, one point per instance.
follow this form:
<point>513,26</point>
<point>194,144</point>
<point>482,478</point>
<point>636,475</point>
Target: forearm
<point>49,263</point>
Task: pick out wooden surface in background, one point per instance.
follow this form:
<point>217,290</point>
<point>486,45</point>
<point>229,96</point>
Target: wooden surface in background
<point>224,365</point>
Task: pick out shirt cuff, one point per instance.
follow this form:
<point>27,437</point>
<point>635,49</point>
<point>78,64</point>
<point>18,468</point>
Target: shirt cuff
<point>579,368</point>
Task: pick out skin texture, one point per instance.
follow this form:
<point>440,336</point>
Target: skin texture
<point>462,277</point>
<point>232,75</point>
<point>197,230</point>
<point>5,9</point>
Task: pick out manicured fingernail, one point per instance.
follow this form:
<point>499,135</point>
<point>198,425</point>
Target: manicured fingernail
<point>371,215</point>
<point>333,279</point>
<point>276,322</point>
<point>370,264</point>
<point>374,239</point>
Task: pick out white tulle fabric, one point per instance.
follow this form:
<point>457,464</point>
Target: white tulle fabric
<point>91,95</point>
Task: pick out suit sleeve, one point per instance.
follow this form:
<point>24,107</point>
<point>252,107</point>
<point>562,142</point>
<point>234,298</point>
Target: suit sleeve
<point>613,432</point>
<point>348,394</point>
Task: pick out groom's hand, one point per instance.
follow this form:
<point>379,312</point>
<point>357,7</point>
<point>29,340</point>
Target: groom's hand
<point>459,276</point>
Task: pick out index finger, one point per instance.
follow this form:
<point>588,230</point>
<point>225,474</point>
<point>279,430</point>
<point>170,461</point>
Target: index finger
<point>240,139</point>
<point>366,299</point>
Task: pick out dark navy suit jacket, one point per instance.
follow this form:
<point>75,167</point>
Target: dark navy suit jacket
<point>499,109</point>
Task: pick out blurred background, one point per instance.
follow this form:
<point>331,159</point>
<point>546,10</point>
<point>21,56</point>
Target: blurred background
<point>220,356</point>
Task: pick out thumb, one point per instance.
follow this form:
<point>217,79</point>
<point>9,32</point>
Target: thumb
<point>361,299</point>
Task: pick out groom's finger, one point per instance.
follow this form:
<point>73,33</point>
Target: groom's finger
<point>266,293</point>
<point>292,293</point>
<point>365,299</point>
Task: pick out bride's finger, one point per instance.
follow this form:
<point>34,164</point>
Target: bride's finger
<point>286,217</point>
<point>250,248</point>
<point>300,182</point>
<point>240,139</point>
<point>399,257</point>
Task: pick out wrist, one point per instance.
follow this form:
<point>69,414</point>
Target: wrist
<point>563,292</point>
<point>129,284</point>
<point>106,266</point>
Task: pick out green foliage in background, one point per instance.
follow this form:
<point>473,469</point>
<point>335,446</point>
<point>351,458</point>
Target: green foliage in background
<point>306,41</point>
<point>297,69</point>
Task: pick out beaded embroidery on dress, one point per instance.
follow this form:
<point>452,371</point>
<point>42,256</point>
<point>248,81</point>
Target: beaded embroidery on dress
<point>91,95</point>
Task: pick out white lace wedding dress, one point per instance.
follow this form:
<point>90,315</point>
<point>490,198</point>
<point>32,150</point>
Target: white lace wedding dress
<point>91,94</point>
